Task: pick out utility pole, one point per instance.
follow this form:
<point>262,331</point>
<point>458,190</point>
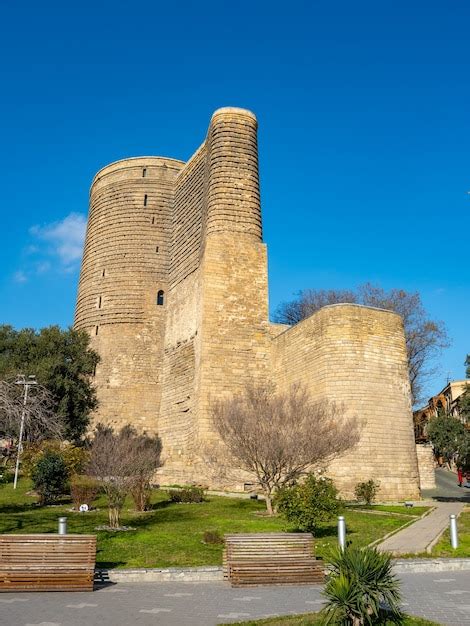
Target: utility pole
<point>27,383</point>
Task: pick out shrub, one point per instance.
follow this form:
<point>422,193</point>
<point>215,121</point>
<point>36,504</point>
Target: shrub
<point>50,476</point>
<point>189,495</point>
<point>212,537</point>
<point>83,490</point>
<point>75,458</point>
<point>141,493</point>
<point>366,491</point>
<point>361,588</point>
<point>308,504</point>
<point>5,477</point>
<point>121,461</point>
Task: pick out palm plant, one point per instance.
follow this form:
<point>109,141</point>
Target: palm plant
<point>361,589</point>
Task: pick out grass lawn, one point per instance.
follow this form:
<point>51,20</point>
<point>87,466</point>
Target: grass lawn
<point>415,511</point>
<point>311,619</point>
<point>443,547</point>
<point>170,535</point>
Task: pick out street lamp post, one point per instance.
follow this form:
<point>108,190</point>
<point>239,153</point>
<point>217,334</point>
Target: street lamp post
<point>27,383</point>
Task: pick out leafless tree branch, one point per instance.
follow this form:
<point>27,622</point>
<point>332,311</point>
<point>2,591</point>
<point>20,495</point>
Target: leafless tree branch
<point>41,420</point>
<point>120,461</point>
<point>276,437</point>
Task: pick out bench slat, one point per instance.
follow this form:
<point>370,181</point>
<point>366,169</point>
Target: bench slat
<point>47,562</point>
<point>271,558</point>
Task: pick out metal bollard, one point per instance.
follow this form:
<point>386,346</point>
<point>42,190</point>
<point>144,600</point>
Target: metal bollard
<point>62,525</point>
<point>454,536</point>
<point>341,532</point>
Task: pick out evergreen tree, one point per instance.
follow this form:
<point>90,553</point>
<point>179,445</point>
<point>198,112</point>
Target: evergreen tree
<point>464,400</point>
<point>62,361</point>
<point>449,438</point>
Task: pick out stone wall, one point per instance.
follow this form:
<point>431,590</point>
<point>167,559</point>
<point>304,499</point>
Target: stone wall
<point>193,231</point>
<point>426,466</point>
<point>356,356</point>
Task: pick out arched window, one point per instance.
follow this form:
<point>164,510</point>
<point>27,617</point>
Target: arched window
<point>160,297</point>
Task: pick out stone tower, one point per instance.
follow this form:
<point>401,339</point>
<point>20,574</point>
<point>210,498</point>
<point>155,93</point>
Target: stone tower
<point>174,293</point>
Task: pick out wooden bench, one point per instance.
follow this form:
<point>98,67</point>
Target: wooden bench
<point>47,562</point>
<point>271,559</point>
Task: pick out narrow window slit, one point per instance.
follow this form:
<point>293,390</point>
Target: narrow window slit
<point>99,302</point>
<point>145,200</point>
<point>144,172</point>
<point>96,330</point>
<point>156,249</point>
<point>153,220</point>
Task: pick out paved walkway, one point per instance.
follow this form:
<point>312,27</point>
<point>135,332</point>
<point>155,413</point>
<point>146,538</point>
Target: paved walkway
<point>414,539</point>
<point>443,597</point>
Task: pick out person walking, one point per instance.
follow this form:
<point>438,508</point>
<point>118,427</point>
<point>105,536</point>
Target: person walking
<point>460,476</point>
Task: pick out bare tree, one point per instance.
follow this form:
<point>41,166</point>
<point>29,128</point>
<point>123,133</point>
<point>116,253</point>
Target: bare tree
<point>277,437</point>
<point>41,420</point>
<point>425,338</point>
<point>309,301</point>
<point>120,461</point>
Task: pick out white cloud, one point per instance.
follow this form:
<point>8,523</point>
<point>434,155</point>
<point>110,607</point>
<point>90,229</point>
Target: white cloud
<point>65,239</point>
<point>20,277</point>
<point>42,267</point>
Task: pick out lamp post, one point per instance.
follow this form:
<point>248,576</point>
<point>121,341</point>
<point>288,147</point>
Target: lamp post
<point>27,383</point>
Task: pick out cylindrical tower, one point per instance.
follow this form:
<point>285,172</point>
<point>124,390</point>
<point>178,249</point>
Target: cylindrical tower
<point>233,196</point>
<point>123,285</point>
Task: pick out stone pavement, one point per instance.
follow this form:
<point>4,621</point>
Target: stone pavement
<point>414,539</point>
<point>443,597</point>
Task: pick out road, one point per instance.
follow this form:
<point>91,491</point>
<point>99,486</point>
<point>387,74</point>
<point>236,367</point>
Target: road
<point>447,487</point>
<point>442,597</point>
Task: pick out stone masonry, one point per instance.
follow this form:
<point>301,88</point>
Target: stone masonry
<point>174,294</point>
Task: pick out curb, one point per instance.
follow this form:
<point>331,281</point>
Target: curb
<point>415,566</point>
<point>214,573</point>
<point>209,573</point>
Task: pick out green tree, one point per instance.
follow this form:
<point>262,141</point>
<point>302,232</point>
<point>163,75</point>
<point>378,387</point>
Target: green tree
<point>62,361</point>
<point>464,400</point>
<point>448,436</point>
<point>309,503</point>
<point>50,477</point>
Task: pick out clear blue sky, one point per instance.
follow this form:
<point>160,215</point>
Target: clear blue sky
<point>364,113</point>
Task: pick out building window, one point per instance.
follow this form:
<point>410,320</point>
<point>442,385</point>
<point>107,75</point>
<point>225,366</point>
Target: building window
<point>94,370</point>
<point>153,220</point>
<point>99,302</point>
<point>96,330</point>
<point>156,248</point>
<point>103,273</point>
<point>145,200</point>
<point>160,297</point>
<point>144,172</point>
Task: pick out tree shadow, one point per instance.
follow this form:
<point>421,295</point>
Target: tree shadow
<point>465,497</point>
<point>101,576</point>
<point>325,531</point>
<point>19,508</point>
<point>157,506</point>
